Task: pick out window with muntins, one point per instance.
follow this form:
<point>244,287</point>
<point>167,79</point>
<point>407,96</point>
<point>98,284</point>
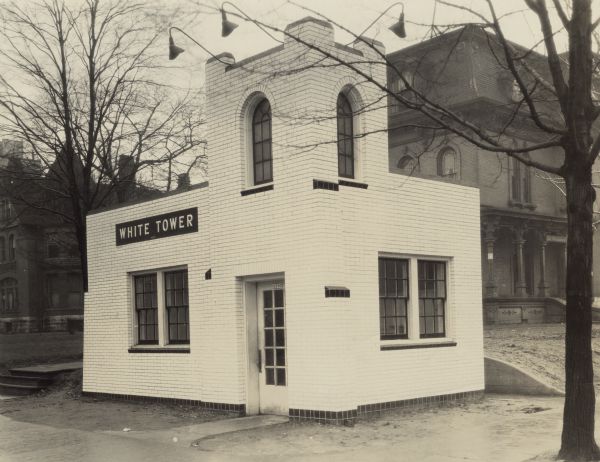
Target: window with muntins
<point>8,294</point>
<point>11,247</point>
<point>262,156</point>
<point>520,182</point>
<point>447,163</point>
<point>432,298</point>
<point>146,307</point>
<point>345,137</point>
<point>177,306</point>
<point>393,298</point>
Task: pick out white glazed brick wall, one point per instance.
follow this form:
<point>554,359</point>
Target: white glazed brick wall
<point>315,237</point>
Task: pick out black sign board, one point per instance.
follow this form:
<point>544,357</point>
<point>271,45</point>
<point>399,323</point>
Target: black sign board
<point>165,225</point>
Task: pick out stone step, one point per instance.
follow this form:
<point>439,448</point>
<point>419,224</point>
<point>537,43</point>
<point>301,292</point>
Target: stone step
<point>45,371</point>
<point>25,380</point>
<point>17,390</point>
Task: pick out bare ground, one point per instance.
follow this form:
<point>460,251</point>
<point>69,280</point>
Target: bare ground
<point>63,406</point>
<point>539,348</point>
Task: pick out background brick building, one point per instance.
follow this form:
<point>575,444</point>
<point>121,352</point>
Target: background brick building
<point>523,223</point>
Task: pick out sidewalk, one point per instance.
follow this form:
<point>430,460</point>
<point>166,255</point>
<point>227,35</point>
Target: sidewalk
<point>496,429</point>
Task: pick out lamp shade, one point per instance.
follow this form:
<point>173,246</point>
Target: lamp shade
<point>398,28</point>
<point>174,50</point>
<point>227,27</point>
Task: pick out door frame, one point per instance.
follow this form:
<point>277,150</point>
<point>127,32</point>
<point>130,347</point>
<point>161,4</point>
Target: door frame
<point>251,311</point>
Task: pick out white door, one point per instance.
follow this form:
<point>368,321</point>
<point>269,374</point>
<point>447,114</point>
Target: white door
<point>272,376</point>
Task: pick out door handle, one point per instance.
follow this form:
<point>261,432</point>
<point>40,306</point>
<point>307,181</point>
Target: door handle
<point>259,364</point>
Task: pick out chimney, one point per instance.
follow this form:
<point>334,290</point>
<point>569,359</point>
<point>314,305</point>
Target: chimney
<point>126,178</point>
<point>183,181</point>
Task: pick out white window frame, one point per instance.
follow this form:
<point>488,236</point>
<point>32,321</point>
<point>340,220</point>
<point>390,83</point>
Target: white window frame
<point>413,319</point>
<point>163,322</point>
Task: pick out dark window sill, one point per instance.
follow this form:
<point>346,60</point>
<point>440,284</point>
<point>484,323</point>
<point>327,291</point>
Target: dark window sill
<point>327,185</point>
<point>158,350</point>
<point>413,346</point>
<point>353,184</point>
<point>394,337</point>
<point>247,192</point>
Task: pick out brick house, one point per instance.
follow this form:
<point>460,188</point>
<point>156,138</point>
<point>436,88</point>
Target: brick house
<point>304,279</point>
<point>40,275</point>
<point>523,222</point>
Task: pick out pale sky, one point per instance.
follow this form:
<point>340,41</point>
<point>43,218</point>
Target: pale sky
<point>204,23</point>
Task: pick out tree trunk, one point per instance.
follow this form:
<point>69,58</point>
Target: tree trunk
<point>578,419</point>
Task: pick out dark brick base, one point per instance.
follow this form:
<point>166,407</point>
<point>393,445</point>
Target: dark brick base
<point>350,416</point>
<point>239,409</point>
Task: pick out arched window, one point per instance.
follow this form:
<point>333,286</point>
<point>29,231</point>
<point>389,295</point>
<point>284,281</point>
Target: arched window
<point>262,157</point>
<point>345,137</point>
<point>407,163</point>
<point>8,294</point>
<point>2,249</point>
<point>11,247</point>
<point>447,163</point>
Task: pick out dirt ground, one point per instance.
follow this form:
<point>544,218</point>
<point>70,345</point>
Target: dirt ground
<point>538,348</point>
<point>63,406</point>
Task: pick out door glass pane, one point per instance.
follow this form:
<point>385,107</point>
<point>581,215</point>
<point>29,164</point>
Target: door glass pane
<point>270,377</point>
<point>279,319</point>
<point>269,360</point>
<point>268,295</point>
<point>280,376</point>
<point>280,357</point>
<point>268,318</point>
<point>279,298</point>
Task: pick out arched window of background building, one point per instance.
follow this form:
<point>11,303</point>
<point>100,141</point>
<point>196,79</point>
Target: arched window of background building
<point>2,249</point>
<point>262,156</point>
<point>8,294</point>
<point>345,137</point>
<point>447,163</point>
<point>407,163</point>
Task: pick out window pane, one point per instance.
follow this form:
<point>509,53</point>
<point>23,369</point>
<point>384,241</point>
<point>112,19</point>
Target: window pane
<point>279,298</point>
<point>390,326</point>
<point>268,338</point>
<point>268,318</point>
<point>390,307</point>
<point>269,357</point>
<point>270,377</point>
<point>280,357</point>
<point>281,377</point>
<point>280,337</point>
<point>268,298</point>
<point>401,326</point>
<point>279,318</point>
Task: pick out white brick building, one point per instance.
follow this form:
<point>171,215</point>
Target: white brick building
<point>290,258</point>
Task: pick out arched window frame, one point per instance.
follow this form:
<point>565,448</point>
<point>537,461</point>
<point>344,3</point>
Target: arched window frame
<point>345,137</point>
<point>261,128</point>
<point>2,249</point>
<point>9,300</point>
<point>442,169</point>
<point>407,163</point>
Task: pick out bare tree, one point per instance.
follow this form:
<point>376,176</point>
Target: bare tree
<point>556,100</point>
<point>82,89</point>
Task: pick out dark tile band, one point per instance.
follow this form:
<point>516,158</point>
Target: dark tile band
<point>322,184</point>
<point>350,416</point>
<point>247,192</point>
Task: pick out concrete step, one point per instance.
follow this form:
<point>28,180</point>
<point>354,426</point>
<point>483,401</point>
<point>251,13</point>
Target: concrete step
<point>25,380</point>
<point>45,371</point>
<point>12,389</point>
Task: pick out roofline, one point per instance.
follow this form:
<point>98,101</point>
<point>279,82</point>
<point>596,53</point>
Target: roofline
<point>110,208</point>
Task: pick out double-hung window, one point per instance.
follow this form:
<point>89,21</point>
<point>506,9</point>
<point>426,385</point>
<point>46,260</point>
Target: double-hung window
<point>162,307</point>
<point>420,312</point>
<point>393,298</point>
